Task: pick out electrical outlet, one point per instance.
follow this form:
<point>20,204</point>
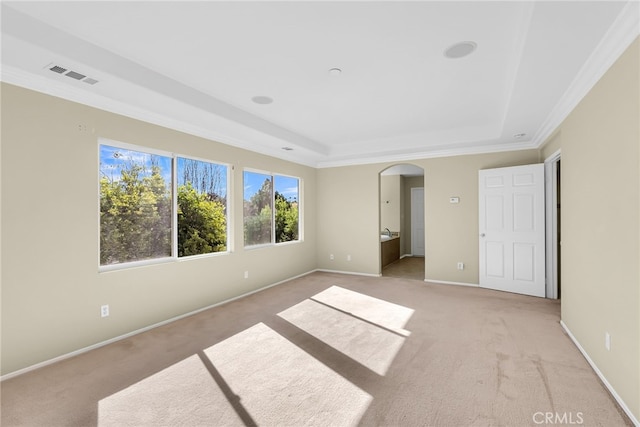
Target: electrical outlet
<point>331,256</point>
<point>607,341</point>
<point>460,265</point>
<point>104,311</point>
<point>246,274</point>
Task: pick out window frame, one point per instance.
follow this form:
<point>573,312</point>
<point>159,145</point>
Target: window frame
<point>174,207</point>
<point>273,210</point>
<point>300,209</point>
<point>228,208</point>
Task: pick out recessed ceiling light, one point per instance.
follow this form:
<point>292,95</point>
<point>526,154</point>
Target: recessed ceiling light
<point>263,100</point>
<point>335,71</point>
<point>460,50</point>
<point>519,135</point>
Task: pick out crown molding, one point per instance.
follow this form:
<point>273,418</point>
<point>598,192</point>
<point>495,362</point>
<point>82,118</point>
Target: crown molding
<point>430,154</point>
<point>35,32</point>
<point>620,35</point>
<point>21,78</point>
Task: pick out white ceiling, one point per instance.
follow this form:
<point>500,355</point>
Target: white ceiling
<point>195,67</point>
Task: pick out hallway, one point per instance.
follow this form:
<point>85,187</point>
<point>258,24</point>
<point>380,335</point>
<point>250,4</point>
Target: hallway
<point>407,268</point>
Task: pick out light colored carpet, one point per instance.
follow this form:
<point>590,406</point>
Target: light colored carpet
<point>367,330</point>
<point>329,350</point>
<point>272,382</point>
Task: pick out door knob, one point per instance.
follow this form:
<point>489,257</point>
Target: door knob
<point>482,235</point>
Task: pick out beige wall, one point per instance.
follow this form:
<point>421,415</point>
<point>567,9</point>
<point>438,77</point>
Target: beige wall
<point>51,288</point>
<point>600,179</point>
<point>348,195</point>
<point>551,145</point>
<point>390,202</point>
<point>349,219</point>
<point>452,229</point>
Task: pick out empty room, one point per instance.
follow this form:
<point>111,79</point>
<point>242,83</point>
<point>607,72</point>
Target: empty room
<point>322,213</point>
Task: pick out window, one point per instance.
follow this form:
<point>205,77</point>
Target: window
<point>258,208</point>
<point>138,208</point>
<point>271,213</point>
<point>286,201</point>
<point>135,205</point>
<point>202,207</point>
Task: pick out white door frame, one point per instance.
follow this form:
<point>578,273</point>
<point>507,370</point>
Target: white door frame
<point>551,219</point>
<point>415,217</point>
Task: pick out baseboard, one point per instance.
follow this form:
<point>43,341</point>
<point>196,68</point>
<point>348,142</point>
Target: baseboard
<point>600,375</point>
<point>353,273</point>
<point>444,282</point>
<point>139,331</point>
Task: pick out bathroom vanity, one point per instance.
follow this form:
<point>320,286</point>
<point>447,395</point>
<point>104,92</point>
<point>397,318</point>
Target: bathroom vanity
<point>389,248</point>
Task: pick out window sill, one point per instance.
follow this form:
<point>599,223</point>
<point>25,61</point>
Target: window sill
<point>149,262</point>
<point>272,245</point>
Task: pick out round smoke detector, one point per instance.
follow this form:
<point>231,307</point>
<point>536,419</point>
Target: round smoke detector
<point>460,50</point>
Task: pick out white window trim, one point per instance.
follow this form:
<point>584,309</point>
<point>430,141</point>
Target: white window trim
<point>273,210</point>
<point>300,209</point>
<point>174,202</point>
<point>175,207</point>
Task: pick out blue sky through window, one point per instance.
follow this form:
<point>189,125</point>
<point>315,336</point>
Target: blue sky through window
<point>114,159</point>
<point>252,183</point>
<point>287,186</point>
<point>284,185</point>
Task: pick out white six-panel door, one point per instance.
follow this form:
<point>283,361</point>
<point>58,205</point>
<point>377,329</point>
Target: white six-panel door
<point>512,229</point>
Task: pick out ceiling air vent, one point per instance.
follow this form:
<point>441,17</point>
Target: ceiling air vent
<point>73,74</point>
<point>58,69</point>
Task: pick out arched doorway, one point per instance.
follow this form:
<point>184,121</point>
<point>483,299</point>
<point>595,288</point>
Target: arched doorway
<point>402,237</point>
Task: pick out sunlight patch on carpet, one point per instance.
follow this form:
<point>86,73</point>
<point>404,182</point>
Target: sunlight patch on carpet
<point>383,313</point>
<point>256,375</point>
<point>366,329</point>
<point>182,394</point>
<point>280,384</point>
